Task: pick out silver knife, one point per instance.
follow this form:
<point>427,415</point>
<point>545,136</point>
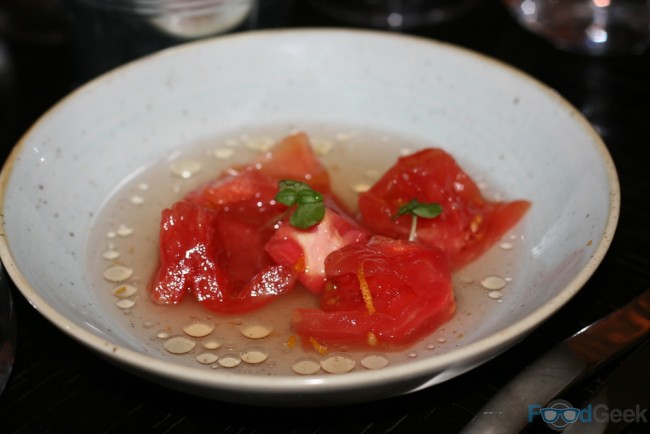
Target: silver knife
<point>567,363</point>
<point>623,400</point>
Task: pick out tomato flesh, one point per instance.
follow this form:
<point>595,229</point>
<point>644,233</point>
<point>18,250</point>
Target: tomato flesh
<point>469,223</point>
<point>306,249</point>
<point>293,158</point>
<point>229,245</point>
<point>195,258</point>
<point>212,242</point>
<point>410,296</point>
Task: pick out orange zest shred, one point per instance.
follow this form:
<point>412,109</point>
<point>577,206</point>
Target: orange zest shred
<point>365,289</point>
<point>372,339</point>
<point>321,349</point>
<point>291,342</point>
<point>300,265</point>
<point>476,223</point>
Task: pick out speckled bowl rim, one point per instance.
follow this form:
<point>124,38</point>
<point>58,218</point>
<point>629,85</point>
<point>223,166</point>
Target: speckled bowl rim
<point>243,383</point>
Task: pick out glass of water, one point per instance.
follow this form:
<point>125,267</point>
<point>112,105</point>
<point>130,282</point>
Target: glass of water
<point>107,33</point>
<point>393,14</point>
<point>593,27</point>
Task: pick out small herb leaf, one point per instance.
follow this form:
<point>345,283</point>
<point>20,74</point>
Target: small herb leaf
<point>418,209</point>
<point>307,215</point>
<point>428,210</point>
<point>310,208</point>
<point>286,197</point>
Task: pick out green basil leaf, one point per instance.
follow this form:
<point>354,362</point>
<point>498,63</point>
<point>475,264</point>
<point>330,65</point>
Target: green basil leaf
<point>307,215</point>
<point>286,197</point>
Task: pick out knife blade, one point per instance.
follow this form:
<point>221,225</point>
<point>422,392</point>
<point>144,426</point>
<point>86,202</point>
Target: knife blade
<point>565,364</point>
<point>623,400</point>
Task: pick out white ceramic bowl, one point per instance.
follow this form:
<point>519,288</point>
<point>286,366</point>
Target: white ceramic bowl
<point>513,132</point>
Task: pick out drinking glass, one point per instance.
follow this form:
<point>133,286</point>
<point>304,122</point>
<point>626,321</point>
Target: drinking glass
<point>593,27</point>
<point>393,14</point>
<point>107,33</point>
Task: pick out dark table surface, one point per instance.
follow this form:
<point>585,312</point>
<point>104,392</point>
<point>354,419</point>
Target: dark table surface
<point>58,385</point>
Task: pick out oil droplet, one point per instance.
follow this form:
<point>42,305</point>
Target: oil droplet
<point>361,187</point>
<point>256,329</point>
<point>322,146</point>
<point>495,294</point>
<point>124,291</point>
<point>111,234</point>
<point>198,329</point>
<point>430,346</point>
<point>185,168</point>
<point>148,324</point>
<point>207,358</point>
<point>254,355</point>
<point>179,345</point>
<point>466,279</point>
<point>346,136</point>
<point>372,174</point>
<point>162,335</point>
<point>137,200</point>
<point>261,144</point>
<point>374,361</point>
<point>111,254</point>
<point>505,245</point>
<point>211,344</point>
<point>493,282</point>
<point>117,273</point>
<point>337,364</point>
<point>412,355</point>
<point>306,366</point>
<point>125,303</point>
<point>229,360</point>
<point>442,340</point>
<point>223,153</point>
<point>124,231</point>
<point>143,186</point>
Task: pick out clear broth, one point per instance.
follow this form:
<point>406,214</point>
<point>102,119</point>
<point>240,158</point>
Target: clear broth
<point>137,203</point>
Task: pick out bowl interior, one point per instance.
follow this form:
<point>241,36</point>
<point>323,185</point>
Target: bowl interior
<point>517,135</point>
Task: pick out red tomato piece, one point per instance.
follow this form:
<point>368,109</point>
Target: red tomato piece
<point>212,242</point>
<point>294,158</point>
<point>248,195</point>
<point>201,253</point>
<point>305,250</point>
<point>383,293</point>
<point>468,225</point>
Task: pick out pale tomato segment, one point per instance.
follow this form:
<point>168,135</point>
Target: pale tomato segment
<point>306,249</point>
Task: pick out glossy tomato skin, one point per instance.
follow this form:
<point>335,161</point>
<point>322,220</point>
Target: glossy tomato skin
<point>410,296</point>
<point>247,195</point>
<point>305,250</point>
<point>293,158</point>
<point>469,223</point>
<point>248,192</point>
<point>196,256</point>
<point>212,242</point>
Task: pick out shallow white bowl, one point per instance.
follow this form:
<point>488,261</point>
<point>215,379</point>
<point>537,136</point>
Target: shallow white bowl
<point>495,120</point>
